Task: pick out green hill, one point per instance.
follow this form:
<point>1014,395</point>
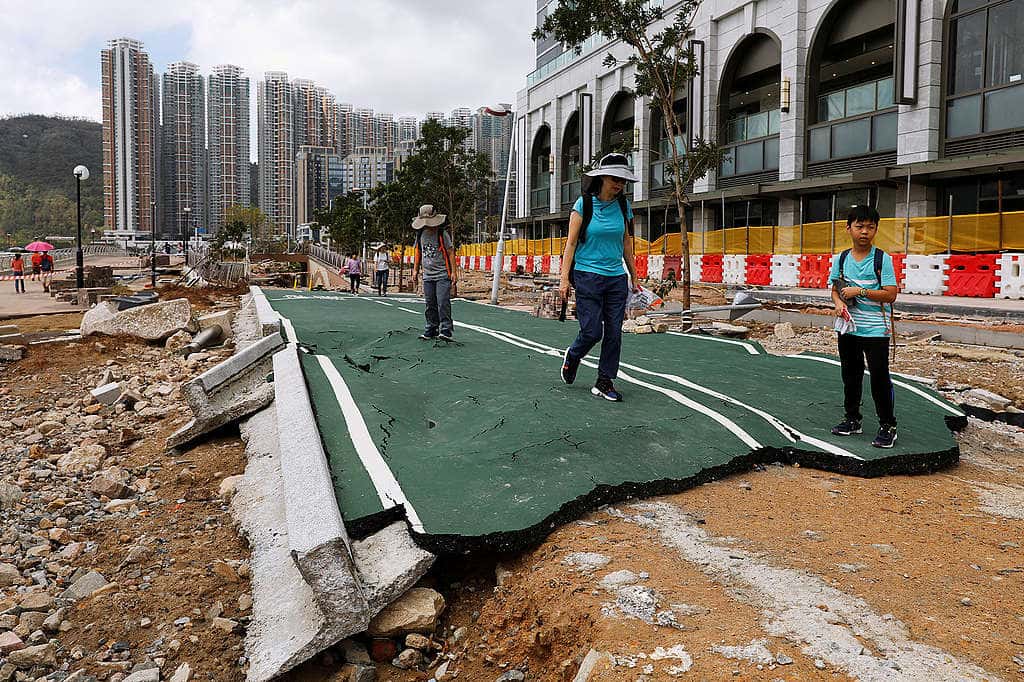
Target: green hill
<point>37,187</point>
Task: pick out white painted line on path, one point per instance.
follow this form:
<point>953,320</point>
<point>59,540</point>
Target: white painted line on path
<point>388,490</point>
<point>912,389</point>
<point>775,422</point>
<point>733,342</point>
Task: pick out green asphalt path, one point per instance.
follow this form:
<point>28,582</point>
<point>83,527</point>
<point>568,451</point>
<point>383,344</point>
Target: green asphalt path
<point>484,440</point>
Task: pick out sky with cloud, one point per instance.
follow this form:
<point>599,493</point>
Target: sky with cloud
<point>396,56</point>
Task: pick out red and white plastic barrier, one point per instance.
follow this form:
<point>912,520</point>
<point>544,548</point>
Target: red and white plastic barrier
<point>925,275</point>
<point>1010,276</point>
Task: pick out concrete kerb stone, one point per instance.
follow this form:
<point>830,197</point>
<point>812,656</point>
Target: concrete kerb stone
<point>229,391</point>
<point>269,319</point>
<point>389,564</point>
<point>316,534</point>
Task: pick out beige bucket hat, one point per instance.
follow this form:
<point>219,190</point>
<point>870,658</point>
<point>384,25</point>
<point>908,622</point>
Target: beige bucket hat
<point>428,217</point>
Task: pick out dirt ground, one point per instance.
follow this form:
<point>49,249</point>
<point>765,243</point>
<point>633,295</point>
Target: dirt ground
<point>937,559</point>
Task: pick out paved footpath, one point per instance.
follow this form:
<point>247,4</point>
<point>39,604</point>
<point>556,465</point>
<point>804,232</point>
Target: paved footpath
<point>479,444</point>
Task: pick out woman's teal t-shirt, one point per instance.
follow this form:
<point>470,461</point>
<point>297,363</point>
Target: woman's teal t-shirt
<point>602,252</point>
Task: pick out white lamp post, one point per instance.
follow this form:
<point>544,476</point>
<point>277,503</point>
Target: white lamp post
<point>499,257</point>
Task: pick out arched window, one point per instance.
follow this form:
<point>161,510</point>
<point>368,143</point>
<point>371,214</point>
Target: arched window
<point>661,147</point>
<point>748,110</point>
<point>985,72</point>
<point>571,160</point>
<point>851,107</point>
<point>540,170</point>
<point>617,130</point>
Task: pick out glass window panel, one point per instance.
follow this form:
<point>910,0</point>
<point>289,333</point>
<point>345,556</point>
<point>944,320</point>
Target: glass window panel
<point>883,132</point>
<point>757,125</point>
<point>1005,46</point>
<point>963,116</point>
<point>851,138</point>
<point>822,109</point>
<point>729,162</point>
<point>967,5</point>
<point>885,96</point>
<point>836,105</point>
<point>967,53</point>
<point>773,122</point>
<point>860,99</point>
<point>771,153</point>
<point>750,158</point>
<point>819,144</point>
<point>1004,108</point>
<point>736,128</point>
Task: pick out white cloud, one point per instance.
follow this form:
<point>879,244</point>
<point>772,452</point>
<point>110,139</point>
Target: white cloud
<point>393,55</point>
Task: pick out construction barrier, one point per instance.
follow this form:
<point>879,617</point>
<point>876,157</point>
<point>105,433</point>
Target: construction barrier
<point>556,262</point>
<point>670,267</point>
<point>925,275</point>
<point>711,267</point>
<point>655,266</point>
<point>487,263</point>
<point>784,271</point>
<point>640,263</point>
<point>695,269</point>
<point>899,266</point>
<point>1011,275</point>
<point>813,271</point>
<point>545,264</point>
<point>759,269</point>
<point>973,276</point>
<point>734,269</point>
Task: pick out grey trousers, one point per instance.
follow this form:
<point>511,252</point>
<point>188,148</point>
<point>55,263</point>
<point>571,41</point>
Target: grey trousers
<point>438,295</point>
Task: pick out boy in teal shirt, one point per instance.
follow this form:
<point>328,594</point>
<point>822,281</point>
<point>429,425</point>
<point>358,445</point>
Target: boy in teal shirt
<point>863,285</point>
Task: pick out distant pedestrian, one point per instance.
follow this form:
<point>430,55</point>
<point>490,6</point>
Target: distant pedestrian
<point>18,268</point>
<point>381,272</point>
<point>46,267</point>
<point>37,264</point>
<point>435,258</point>
<point>353,268</point>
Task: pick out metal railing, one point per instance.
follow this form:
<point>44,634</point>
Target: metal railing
<point>67,256</point>
<point>326,256</point>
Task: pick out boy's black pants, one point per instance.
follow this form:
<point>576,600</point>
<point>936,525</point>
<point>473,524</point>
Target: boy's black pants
<point>852,352</point>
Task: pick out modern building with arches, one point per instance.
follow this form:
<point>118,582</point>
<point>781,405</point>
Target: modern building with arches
<point>913,106</point>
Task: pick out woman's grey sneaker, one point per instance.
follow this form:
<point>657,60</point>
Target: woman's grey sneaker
<point>847,427</point>
<point>427,337</point>
<point>446,337</point>
<point>604,389</point>
<point>569,368</point>
<point>886,437</point>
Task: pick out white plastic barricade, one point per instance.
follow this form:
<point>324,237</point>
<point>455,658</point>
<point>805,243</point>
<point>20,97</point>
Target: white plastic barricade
<point>655,266</point>
<point>734,269</point>
<point>925,274</point>
<point>556,265</point>
<point>538,264</point>
<point>1010,276</point>
<point>785,271</point>
<point>695,269</point>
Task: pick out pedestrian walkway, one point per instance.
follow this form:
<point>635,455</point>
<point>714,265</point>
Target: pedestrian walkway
<point>479,444</point>
<point>916,304</point>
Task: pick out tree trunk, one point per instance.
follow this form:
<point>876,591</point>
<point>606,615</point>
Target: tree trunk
<point>677,180</point>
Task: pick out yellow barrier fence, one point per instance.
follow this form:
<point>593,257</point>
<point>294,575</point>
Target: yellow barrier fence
<point>963,233</point>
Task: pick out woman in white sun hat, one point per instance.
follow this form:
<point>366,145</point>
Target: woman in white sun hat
<point>600,230</point>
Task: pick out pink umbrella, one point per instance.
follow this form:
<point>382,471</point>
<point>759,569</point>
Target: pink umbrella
<point>39,246</point>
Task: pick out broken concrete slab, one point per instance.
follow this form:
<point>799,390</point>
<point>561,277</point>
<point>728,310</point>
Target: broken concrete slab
<point>389,564</point>
<point>316,533</point>
<point>219,318</point>
<point>229,391</point>
<point>11,353</point>
<point>269,319</point>
<point>13,339</point>
<point>154,322</point>
<point>288,627</point>
<point>107,394</point>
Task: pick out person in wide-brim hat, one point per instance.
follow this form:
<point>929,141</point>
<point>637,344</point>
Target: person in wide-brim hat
<point>428,217</point>
<point>435,258</point>
<point>599,243</point>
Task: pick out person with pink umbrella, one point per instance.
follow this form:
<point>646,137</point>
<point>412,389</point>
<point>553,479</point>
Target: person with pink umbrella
<point>37,248</point>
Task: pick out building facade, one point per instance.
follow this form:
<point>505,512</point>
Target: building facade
<point>315,169</point>
<point>183,151</point>
<point>130,139</point>
<point>913,106</point>
<point>365,168</point>
<point>276,139</point>
<point>228,142</point>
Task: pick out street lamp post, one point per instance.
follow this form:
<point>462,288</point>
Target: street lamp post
<point>81,173</point>
<point>184,231</point>
<point>499,256</point>
<point>152,245</point>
